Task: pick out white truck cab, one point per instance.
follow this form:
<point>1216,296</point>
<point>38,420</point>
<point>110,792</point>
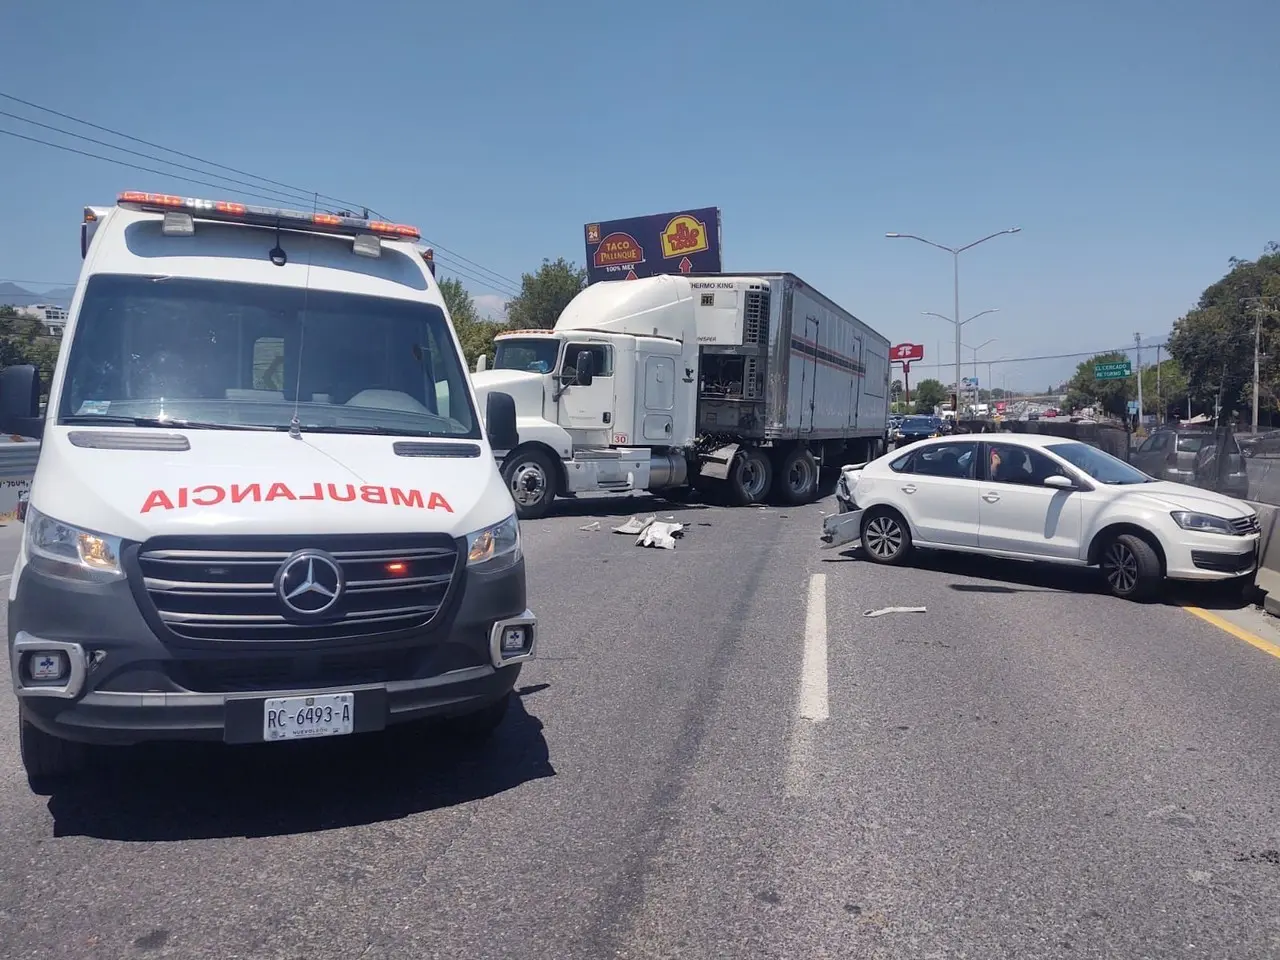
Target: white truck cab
<point>266,507</point>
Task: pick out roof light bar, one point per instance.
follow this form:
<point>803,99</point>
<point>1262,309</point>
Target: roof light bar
<point>267,216</point>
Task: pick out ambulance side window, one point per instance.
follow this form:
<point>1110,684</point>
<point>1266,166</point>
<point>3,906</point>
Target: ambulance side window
<point>268,363</point>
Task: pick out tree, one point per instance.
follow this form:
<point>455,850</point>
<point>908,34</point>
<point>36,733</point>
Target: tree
<point>895,390</point>
<point>24,340</point>
<point>1085,390</point>
<point>1166,392</point>
<point>1213,343</point>
<point>929,394</point>
<point>545,294</point>
<point>474,333</point>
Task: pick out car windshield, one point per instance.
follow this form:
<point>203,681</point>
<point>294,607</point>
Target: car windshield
<point>918,423</point>
<point>220,353</point>
<point>1100,465</point>
<point>535,354</point>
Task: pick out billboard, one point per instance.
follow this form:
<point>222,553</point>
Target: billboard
<point>687,241</point>
<point>907,352</point>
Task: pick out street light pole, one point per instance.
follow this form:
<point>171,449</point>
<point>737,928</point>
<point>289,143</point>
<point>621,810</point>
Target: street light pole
<point>978,383</point>
<point>955,258</point>
<point>982,313</point>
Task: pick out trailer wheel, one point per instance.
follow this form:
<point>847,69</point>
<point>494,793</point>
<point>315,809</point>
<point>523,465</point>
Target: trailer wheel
<point>750,478</point>
<point>797,478</point>
<point>531,477</point>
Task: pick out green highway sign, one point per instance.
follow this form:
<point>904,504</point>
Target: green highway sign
<point>1112,371</point>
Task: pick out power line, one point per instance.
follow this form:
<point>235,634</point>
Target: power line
<point>178,153</point>
<point>134,166</point>
<point>148,156</point>
<point>1056,356</point>
<point>309,196</point>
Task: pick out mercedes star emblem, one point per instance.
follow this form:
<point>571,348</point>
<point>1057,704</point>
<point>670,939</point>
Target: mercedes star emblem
<point>309,583</point>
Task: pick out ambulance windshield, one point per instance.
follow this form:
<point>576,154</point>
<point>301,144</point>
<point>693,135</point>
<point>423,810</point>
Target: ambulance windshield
<point>239,354</point>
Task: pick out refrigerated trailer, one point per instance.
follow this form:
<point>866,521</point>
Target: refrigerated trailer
<point>747,384</point>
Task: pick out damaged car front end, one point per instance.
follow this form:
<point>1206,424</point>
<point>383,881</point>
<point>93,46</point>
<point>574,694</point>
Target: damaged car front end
<point>845,526</point>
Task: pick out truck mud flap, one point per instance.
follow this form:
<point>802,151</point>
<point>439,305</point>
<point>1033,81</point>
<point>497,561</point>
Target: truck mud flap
<point>841,528</point>
<point>716,463</point>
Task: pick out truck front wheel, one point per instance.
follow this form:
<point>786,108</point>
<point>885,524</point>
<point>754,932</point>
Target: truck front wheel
<point>532,479</point>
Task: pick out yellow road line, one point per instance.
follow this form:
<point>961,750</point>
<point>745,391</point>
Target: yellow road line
<point>1240,633</point>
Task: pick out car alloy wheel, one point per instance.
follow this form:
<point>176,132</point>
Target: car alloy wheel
<point>883,537</point>
<point>1120,565</point>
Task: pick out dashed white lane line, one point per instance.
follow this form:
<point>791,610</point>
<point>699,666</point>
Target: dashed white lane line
<point>813,669</point>
<point>814,703</point>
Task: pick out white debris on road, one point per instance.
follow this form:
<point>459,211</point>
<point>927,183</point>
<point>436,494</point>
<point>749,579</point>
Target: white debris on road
<point>887,610</point>
<point>593,525</point>
<point>652,532</point>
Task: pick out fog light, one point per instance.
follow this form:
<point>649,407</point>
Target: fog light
<point>47,665</point>
<point>514,639</point>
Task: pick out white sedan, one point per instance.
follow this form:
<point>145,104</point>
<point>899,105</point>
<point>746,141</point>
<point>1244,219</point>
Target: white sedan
<point>1036,497</point>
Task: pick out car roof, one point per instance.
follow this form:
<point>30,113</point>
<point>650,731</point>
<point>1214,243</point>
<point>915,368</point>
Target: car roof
<point>1036,440</point>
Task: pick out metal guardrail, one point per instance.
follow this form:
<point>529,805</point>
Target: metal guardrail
<point>18,458</point>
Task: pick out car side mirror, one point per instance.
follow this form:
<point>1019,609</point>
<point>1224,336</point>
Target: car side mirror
<point>586,367</point>
<point>1059,482</point>
<point>500,421</point>
<point>20,401</point>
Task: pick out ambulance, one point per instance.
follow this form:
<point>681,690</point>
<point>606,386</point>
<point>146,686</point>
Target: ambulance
<point>266,506</point>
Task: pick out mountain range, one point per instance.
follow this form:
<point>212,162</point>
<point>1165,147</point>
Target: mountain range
<point>12,295</point>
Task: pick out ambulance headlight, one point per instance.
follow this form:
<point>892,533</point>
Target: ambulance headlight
<point>496,547</point>
<point>61,550</point>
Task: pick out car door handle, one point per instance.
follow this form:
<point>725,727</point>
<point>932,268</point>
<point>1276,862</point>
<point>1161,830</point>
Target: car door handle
<point>991,497</point>
<point>909,488</point>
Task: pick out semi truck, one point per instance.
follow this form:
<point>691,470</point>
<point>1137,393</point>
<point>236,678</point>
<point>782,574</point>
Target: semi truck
<point>742,384</point>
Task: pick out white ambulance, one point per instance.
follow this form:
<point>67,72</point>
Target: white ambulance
<point>266,506</point>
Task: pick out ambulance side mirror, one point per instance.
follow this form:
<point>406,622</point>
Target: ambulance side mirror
<point>20,401</point>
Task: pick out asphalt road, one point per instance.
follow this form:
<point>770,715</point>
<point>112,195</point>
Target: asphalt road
<point>718,756</point>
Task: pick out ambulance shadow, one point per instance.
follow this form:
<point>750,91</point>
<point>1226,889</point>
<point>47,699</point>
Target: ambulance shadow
<point>170,792</point>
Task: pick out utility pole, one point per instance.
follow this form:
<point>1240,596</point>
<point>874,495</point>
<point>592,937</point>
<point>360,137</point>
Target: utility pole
<point>1137,343</point>
<point>1260,309</point>
<point>1159,394</point>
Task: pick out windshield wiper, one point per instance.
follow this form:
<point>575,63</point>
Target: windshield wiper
<point>170,422</point>
<point>365,428</point>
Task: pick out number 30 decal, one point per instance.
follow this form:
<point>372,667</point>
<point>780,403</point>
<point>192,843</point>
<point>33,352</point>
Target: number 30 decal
<point>619,438</point>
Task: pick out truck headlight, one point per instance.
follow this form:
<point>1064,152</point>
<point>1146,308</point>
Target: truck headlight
<point>496,547</point>
<point>61,550</point>
<point>1202,522</point>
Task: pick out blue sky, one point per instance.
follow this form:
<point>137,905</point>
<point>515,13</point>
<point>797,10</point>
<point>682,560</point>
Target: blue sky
<point>1134,141</point>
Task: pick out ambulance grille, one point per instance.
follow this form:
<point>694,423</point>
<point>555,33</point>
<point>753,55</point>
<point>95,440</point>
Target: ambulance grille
<point>223,588</point>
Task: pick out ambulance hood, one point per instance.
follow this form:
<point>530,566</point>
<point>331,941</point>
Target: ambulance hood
<point>257,482</point>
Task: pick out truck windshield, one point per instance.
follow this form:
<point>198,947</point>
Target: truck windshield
<point>535,354</point>
<point>216,352</point>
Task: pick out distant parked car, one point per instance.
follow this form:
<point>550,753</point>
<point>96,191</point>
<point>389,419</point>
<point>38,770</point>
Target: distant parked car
<point>1189,455</point>
<point>1037,497</point>
<point>1261,444</point>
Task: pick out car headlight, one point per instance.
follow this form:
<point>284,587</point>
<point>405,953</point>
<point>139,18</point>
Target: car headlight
<point>61,550</point>
<point>496,547</point>
<point>1202,522</point>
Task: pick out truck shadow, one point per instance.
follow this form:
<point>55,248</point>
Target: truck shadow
<point>169,792</point>
<point>1015,576</point>
<point>600,507</point>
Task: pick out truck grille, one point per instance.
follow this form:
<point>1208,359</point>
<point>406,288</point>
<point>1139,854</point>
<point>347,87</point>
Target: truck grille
<point>755,317</point>
<point>225,590</point>
<point>1244,526</point>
